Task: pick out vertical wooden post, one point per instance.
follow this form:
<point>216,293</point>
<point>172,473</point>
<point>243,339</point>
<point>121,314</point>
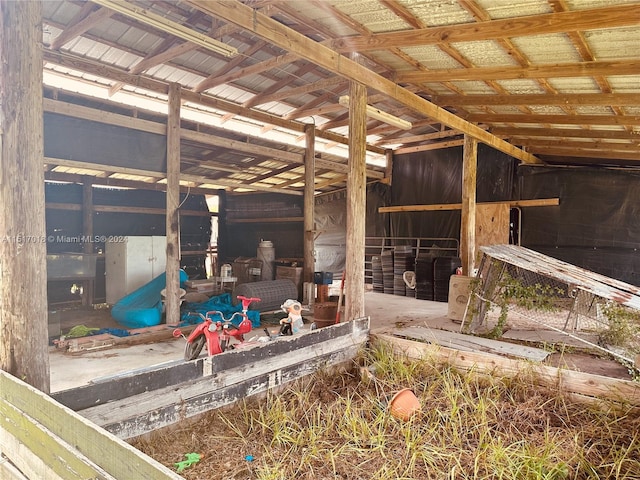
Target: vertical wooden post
<point>356,202</point>
<point>309,202</point>
<point>87,232</point>
<point>24,350</point>
<point>468,220</point>
<point>173,200</point>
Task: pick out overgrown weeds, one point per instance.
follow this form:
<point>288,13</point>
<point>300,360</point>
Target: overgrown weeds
<point>337,426</point>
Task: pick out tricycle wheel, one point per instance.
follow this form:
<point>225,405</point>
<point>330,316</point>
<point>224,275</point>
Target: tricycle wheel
<point>192,349</point>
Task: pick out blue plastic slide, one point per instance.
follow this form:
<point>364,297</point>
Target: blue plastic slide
<point>143,307</point>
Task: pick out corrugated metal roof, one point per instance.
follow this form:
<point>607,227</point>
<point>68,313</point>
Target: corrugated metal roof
<point>116,45</point>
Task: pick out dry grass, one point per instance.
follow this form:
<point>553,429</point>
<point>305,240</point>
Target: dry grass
<point>336,426</point>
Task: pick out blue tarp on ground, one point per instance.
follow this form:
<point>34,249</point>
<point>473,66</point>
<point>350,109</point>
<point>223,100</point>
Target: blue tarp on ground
<point>143,307</point>
<point>221,303</point>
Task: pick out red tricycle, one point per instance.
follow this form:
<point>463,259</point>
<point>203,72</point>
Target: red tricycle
<point>217,334</point>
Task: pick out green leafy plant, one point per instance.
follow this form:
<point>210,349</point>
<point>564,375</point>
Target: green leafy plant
<point>512,291</point>
<point>623,324</point>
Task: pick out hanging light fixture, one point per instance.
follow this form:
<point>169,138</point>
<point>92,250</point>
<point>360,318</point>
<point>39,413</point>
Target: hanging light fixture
<point>147,17</point>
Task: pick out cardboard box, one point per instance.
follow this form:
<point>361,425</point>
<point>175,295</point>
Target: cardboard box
<point>291,273</point>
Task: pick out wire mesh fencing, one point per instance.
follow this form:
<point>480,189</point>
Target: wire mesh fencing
<point>506,296</point>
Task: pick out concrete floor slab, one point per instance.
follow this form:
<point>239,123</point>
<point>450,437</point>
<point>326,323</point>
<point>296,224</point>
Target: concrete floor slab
<point>387,313</point>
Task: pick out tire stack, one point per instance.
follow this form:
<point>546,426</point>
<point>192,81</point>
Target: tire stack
<point>443,268</point>
<point>376,269</point>
<point>424,277</point>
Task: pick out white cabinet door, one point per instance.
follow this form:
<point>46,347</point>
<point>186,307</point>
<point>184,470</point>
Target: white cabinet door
<point>132,263</point>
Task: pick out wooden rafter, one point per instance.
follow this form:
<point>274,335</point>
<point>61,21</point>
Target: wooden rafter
<point>565,133</point>
<point>292,41</point>
<point>581,69</point>
<point>84,21</point>
<point>557,119</point>
<point>603,99</point>
<point>560,22</point>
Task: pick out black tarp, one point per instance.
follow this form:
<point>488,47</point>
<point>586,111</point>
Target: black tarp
<point>238,239</point>
<point>435,177</point>
<point>71,138</point>
<point>245,222</point>
<point>596,224</point>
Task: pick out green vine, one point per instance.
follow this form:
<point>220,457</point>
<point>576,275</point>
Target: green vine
<point>531,297</point>
<point>623,324</point>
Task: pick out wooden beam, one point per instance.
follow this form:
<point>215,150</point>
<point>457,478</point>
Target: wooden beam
<point>561,22</point>
<point>418,138</point>
<point>279,85</point>
<point>308,88</point>
<point>468,206</point>
<point>172,298</point>
<point>76,207</point>
<point>87,231</point>
<point>602,99</point>
<point>565,133</point>
<point>604,145</point>
<point>309,204</point>
<point>429,146</point>
<point>356,206</point>
<point>24,340</point>
<point>587,386</point>
<point>543,202</point>
<point>631,120</point>
<point>238,146</point>
<point>268,219</point>
<point>388,170</point>
<point>581,69</point>
<point>214,81</point>
<point>595,154</point>
<point>80,26</point>
<point>286,38</point>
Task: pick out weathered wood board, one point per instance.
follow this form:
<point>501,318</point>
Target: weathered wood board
<point>47,441</point>
<point>579,386</point>
<point>152,399</point>
<point>470,343</point>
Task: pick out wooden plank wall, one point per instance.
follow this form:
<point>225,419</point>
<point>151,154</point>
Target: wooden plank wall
<point>136,405</point>
<point>46,440</point>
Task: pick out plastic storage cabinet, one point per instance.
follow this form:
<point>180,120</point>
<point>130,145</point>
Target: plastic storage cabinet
<point>131,263</point>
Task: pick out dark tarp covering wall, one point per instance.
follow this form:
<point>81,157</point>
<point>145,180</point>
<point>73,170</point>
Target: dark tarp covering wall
<point>63,226</point>
<point>71,138</point>
<point>435,177</point>
<point>238,239</point>
<point>596,224</point>
<point>247,219</point>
